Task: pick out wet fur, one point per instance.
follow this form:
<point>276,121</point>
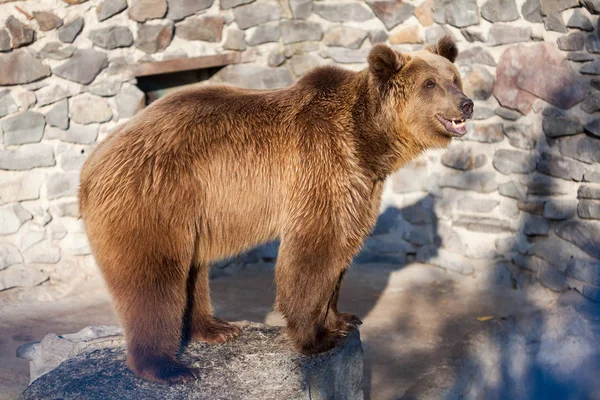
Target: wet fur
<point>210,172</point>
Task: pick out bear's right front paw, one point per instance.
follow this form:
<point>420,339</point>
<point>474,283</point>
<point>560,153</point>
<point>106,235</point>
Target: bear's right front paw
<point>326,340</point>
<point>165,371</point>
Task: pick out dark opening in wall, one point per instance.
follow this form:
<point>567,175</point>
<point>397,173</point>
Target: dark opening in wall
<point>157,86</point>
<point>159,78</point>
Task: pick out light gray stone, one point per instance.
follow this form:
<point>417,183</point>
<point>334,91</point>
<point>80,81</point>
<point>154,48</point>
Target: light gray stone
<point>75,243</point>
<point>473,35</point>
<point>261,354</point>
<point>531,207</point>
<point>9,255</point>
<point>56,51</point>
<point>549,7</point>
<point>21,187</point>
<point>58,115</point>
<point>588,192</point>
<point>582,234</point>
<point>7,104</point>
<point>481,112</point>
<point>293,31</point>
<point>300,48</point>
<point>47,20</point>
<point>444,259</point>
<point>53,93</point>
<point>580,21</point>
<point>591,103</point>
<point>225,4</point>
<point>236,40</point>
<point>208,29</point>
<point>555,23</point>
<point>520,136</point>
<point>105,88</point>
<point>593,128</point>
<point>592,44</point>
<point>391,13</point>
<point>345,36</point>
<point>20,67</point>
<point>42,253</point>
<point>377,36</point>
<point>21,276</point>
<point>507,113</point>
<point>108,8</point>
<point>459,157</point>
<point>5,44</point>
<point>582,57</point>
<point>346,56</point>
<point>67,208</point>
<point>543,185</point>
<point>478,181</point>
<point>62,184</point>
<point>411,178</point>
<point>506,34</point>
<point>476,55</point>
<point>552,279</point>
<point>83,66</point>
<point>72,159</point>
<point>476,205</point>
<point>27,127</point>
<point>591,176</point>
<point>112,37</point>
<point>458,13</point>
<point>264,33</point>
<point>80,134</point>
<point>561,167</point>
<point>301,64</point>
<point>34,235</point>
<point>275,59</point>
<point>130,100</point>
<point>69,32</point>
<point>560,209</point>
<point>248,15</point>
<point>254,76</point>
<point>88,109</point>
<point>436,32</point>
<point>152,38</point>
<point>144,10</point>
<point>179,9</point>
<point>500,10</point>
<point>592,68</point>
<point>27,157</point>
<point>12,217</point>
<point>343,11</point>
<point>514,161</point>
<point>513,190</point>
<point>301,9</point>
<point>21,34</point>
<point>588,209</point>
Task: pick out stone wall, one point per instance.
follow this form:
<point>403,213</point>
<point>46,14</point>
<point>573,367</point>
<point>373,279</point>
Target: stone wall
<point>517,199</point>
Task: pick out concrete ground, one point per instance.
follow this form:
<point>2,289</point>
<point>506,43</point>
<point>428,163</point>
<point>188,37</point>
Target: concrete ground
<point>419,321</point>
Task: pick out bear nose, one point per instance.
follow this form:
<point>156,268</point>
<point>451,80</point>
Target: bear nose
<point>466,107</point>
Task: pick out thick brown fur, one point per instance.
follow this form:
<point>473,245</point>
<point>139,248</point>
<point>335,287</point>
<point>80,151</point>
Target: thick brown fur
<point>209,172</point>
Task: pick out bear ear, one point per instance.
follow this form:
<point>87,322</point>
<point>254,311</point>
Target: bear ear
<point>384,63</point>
<point>445,47</point>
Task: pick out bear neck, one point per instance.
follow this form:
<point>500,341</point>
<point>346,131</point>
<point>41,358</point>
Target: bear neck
<point>384,143</point>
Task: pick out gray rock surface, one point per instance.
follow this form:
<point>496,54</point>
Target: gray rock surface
<point>301,9</point>
<point>144,10</point>
<point>293,31</point>
<point>344,36</point>
<point>561,167</point>
<point>7,103</point>
<point>9,255</point>
<point>5,44</point>
<point>80,134</point>
<point>391,13</point>
<point>112,37</point>
<point>83,66</point>
<point>21,34</point>
<point>260,364</point>
<point>343,11</point>
<point>12,217</point>
<point>47,20</point>
<point>20,67</point>
<point>69,32</point>
<point>108,8</point>
<point>154,37</point>
<point>580,21</point>
<point>225,4</point>
<point>56,51</point>
<point>500,10</point>
<point>248,15</point>
<point>27,156</point>
<point>514,161</point>
<point>88,109</point>
<point>506,34</point>
<point>555,23</point>
<point>27,127</point>
<point>458,13</point>
<point>264,33</point>
<point>179,9</point>
<point>129,100</point>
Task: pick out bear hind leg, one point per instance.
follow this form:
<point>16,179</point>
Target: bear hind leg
<point>203,325</point>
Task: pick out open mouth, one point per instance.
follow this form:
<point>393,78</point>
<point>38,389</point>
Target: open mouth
<point>457,127</point>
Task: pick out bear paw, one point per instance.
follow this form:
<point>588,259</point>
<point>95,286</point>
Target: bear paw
<point>214,330</point>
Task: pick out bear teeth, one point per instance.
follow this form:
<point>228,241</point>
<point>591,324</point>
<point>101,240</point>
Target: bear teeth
<point>458,124</point>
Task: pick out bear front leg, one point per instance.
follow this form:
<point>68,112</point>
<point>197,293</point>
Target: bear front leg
<point>307,273</point>
<point>344,321</point>
<point>203,325</point>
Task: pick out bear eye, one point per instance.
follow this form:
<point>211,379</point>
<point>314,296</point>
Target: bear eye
<point>429,83</point>
<point>456,80</point>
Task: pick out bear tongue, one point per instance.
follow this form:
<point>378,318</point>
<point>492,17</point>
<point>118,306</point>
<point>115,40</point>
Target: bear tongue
<point>452,127</point>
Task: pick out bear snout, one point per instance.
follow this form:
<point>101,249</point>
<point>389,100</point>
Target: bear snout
<point>466,107</point>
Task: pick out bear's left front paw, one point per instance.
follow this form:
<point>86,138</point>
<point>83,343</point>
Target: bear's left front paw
<point>326,340</point>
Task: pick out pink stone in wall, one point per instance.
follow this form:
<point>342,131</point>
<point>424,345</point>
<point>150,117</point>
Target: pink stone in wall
<point>527,72</point>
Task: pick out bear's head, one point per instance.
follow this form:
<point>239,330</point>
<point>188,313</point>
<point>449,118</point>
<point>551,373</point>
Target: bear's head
<point>421,92</point>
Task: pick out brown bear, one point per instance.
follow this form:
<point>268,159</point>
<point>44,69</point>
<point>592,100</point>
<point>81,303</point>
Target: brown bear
<point>209,172</point>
